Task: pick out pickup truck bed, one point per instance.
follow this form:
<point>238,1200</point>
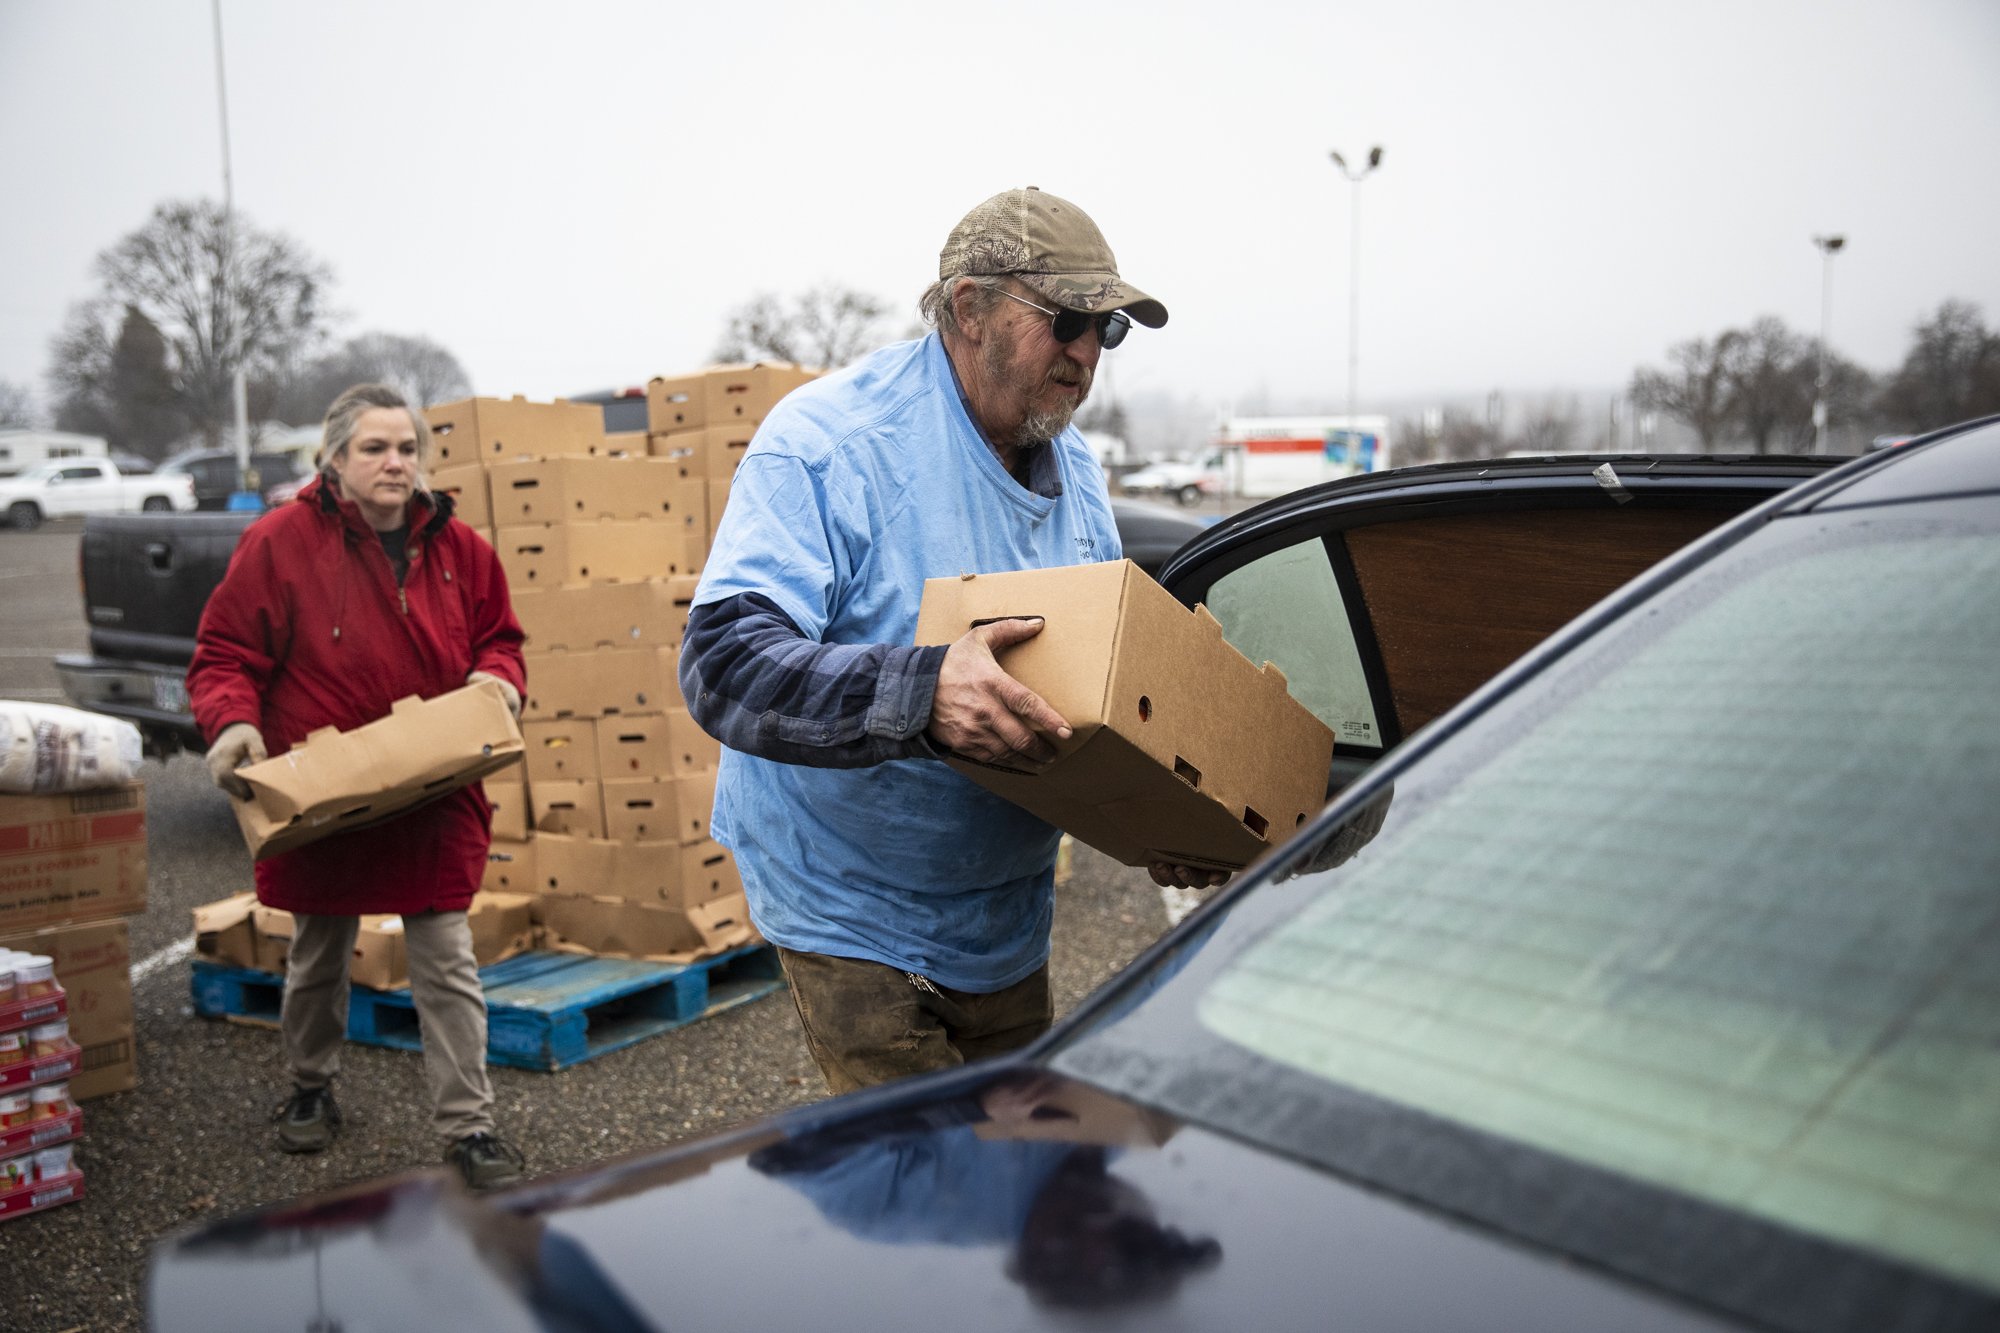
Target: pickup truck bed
<point>146,578</point>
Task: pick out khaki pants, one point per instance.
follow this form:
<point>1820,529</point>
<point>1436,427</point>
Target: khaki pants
<point>444,981</point>
<point>867,1023</point>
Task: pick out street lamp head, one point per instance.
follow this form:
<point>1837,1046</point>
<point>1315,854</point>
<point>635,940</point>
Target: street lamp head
<point>1829,244</point>
<point>1374,161</point>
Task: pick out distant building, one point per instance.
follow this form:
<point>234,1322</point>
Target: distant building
<point>1110,450</point>
<point>23,449</point>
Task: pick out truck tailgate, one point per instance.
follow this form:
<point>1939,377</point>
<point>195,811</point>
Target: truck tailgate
<point>146,578</point>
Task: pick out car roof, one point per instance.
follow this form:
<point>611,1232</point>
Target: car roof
<point>1964,460</point>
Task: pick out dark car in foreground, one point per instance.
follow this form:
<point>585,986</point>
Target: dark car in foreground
<point>1649,985</point>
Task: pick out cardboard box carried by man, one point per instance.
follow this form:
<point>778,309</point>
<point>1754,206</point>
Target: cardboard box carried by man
<point>1182,750</point>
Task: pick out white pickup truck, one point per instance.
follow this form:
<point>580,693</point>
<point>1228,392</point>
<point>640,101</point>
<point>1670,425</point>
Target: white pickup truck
<point>1187,481</point>
<point>87,486</point>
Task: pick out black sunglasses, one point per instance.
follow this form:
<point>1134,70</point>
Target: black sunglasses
<point>1069,325</point>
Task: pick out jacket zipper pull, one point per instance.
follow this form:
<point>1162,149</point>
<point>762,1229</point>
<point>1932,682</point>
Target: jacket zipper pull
<point>403,597</point>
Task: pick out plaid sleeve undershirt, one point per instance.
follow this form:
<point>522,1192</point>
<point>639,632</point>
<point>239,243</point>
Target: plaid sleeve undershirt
<point>759,686</point>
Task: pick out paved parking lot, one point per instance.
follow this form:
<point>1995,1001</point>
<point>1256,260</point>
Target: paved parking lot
<point>194,1141</point>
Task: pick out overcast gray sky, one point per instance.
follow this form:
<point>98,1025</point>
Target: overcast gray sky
<point>573,195</point>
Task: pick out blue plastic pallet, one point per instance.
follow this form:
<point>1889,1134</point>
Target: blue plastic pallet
<point>544,1010</point>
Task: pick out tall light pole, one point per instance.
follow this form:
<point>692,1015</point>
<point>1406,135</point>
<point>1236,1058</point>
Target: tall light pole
<point>238,389</point>
<point>1354,179</point>
<point>1829,246</point>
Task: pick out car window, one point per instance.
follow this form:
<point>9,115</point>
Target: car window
<point>1713,906</point>
<point>80,474</point>
<point>1286,609</point>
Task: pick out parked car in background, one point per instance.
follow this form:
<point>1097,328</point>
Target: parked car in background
<point>1645,985</point>
<point>624,409</point>
<point>1185,480</point>
<point>214,474</point>
<point>74,486</point>
<point>1150,534</point>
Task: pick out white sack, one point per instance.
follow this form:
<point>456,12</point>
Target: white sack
<point>49,748</point>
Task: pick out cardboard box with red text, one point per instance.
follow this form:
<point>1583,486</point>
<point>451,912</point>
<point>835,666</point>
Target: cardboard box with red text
<point>75,856</point>
<point>93,962</point>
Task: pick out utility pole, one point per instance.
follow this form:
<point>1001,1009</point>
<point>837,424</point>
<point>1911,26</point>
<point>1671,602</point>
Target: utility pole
<point>238,389</point>
<point>1829,246</point>
<point>1354,179</point>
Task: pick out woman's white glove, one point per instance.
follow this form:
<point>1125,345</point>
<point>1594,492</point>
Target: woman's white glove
<point>239,744</point>
<point>507,692</point>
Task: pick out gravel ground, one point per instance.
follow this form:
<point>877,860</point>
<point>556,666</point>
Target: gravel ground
<point>193,1142</point>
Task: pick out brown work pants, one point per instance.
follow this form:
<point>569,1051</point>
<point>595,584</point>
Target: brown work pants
<point>867,1023</point>
<point>444,982</point>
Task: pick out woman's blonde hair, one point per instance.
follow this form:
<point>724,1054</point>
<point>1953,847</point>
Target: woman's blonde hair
<point>346,413</point>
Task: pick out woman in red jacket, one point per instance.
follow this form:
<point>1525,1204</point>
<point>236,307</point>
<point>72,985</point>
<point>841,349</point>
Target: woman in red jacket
<point>362,591</point>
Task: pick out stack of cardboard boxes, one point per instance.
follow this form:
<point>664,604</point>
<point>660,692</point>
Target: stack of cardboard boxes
<point>72,868</point>
<point>241,932</point>
<point>703,422</point>
<point>602,538</point>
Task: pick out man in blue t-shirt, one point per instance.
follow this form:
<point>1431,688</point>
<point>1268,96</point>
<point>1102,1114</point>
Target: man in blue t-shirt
<point>911,907</point>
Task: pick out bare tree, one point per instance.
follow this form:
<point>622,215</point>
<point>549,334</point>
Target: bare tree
<point>17,406</point>
<point>222,296</point>
<point>1952,372</point>
<point>1697,389</point>
<point>1771,379</point>
<point>424,371</point>
<point>1549,426</point>
<point>827,326</point>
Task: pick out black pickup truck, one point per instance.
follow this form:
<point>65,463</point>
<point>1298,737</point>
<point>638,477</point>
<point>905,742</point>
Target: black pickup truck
<point>146,578</point>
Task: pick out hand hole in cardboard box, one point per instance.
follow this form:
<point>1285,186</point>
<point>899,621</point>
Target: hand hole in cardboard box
<point>1187,772</point>
<point>1145,709</point>
<point>1256,823</point>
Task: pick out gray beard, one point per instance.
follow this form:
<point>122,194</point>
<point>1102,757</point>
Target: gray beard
<point>1041,427</point>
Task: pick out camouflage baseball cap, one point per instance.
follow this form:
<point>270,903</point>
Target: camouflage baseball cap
<point>1051,245</point>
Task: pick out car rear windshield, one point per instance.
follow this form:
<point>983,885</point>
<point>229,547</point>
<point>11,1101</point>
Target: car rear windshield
<point>1713,906</point>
